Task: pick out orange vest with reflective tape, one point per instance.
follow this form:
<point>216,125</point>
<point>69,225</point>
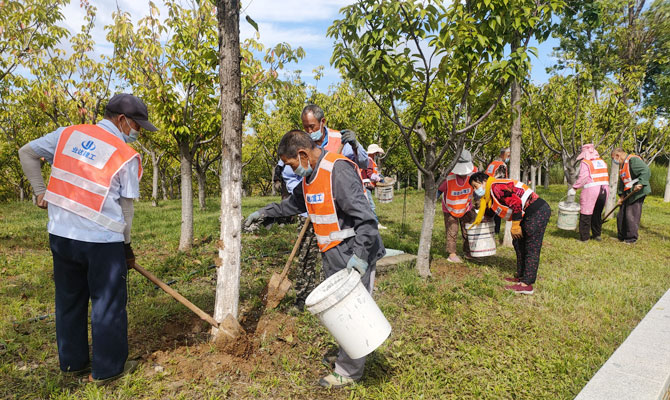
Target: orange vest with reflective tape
<point>334,141</point>
<point>625,175</point>
<point>493,167</point>
<point>598,172</point>
<point>86,159</point>
<point>320,204</point>
<point>457,197</point>
<point>502,210</point>
<point>371,165</point>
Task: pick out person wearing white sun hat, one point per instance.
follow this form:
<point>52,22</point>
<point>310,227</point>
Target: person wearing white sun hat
<point>371,176</point>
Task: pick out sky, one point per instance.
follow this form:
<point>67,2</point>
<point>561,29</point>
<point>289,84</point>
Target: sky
<point>296,22</point>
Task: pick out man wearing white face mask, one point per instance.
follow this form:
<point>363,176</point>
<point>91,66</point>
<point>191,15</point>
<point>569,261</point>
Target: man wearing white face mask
<point>94,178</point>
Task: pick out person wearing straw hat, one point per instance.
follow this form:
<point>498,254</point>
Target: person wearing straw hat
<point>94,178</point>
<point>593,179</point>
<point>332,193</point>
<point>457,204</point>
<point>514,201</point>
<point>371,177</point>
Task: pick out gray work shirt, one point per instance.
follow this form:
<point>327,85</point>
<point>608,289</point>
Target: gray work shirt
<point>353,211</point>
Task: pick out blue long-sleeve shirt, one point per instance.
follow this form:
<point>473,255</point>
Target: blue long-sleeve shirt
<point>360,158</point>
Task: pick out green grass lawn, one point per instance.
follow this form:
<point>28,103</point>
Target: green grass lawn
<point>457,335</point>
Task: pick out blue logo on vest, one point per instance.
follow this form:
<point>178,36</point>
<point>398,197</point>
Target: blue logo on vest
<point>315,198</point>
<point>88,145</point>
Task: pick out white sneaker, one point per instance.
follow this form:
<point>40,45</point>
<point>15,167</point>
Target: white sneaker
<point>380,226</point>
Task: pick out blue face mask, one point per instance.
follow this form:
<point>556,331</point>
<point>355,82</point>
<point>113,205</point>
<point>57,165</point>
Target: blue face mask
<point>302,171</point>
<point>132,135</point>
<point>615,161</point>
<point>317,134</point>
<point>480,191</point>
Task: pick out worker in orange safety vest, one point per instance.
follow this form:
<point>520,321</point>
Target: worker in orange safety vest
<point>457,204</point>
<point>332,193</point>
<point>498,169</point>
<point>94,178</point>
<point>371,176</point>
<point>593,179</point>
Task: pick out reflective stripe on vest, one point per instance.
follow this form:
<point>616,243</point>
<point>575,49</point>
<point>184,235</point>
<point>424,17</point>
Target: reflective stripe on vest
<point>320,204</point>
<point>625,175</point>
<point>493,167</point>
<point>598,172</point>
<point>86,159</point>
<point>457,197</point>
<point>502,210</point>
<point>334,141</point>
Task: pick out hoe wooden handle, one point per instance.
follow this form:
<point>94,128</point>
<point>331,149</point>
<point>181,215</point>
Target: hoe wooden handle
<point>177,296</point>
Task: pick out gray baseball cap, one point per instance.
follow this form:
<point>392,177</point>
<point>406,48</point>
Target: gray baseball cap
<point>133,108</point>
<point>464,165</point>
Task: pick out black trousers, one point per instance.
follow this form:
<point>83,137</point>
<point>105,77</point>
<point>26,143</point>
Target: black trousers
<point>592,224</point>
<point>98,271</point>
<point>529,246</point>
<point>628,220</point>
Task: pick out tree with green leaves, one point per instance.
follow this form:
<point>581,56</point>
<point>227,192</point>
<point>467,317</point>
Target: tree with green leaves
<point>441,68</point>
<point>28,28</point>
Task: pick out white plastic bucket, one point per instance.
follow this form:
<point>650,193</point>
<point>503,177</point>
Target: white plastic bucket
<point>481,239</point>
<point>346,308</point>
<point>568,215</point>
<point>384,193</point>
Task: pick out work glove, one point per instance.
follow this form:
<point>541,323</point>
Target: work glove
<point>130,255</point>
<point>255,216</point>
<point>516,230</point>
<point>360,265</point>
<point>349,136</point>
<point>375,178</point>
<point>572,192</point>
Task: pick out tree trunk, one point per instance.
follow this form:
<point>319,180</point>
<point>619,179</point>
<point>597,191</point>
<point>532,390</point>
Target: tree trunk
<point>570,169</point>
<point>230,247</point>
<point>614,181</point>
<point>202,187</point>
<point>186,169</point>
<point>546,175</point>
<point>423,256</point>
<point>515,146</point>
<point>155,160</point>
<point>533,177</point>
<point>418,179</point>
<point>666,196</point>
<point>524,175</point>
<point>22,193</point>
<point>163,185</point>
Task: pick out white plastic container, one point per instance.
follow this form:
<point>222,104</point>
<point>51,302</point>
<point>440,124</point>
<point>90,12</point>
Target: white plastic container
<point>568,215</point>
<point>482,239</point>
<point>347,310</point>
<point>384,193</point>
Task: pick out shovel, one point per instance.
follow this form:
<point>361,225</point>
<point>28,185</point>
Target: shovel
<point>279,284</point>
<point>622,201</point>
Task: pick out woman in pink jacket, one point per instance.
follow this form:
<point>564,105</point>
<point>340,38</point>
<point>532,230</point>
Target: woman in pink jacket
<point>594,182</point>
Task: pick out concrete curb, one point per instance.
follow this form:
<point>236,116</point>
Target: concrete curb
<point>640,367</point>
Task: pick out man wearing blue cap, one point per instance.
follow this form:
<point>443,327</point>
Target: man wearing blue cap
<point>94,178</point>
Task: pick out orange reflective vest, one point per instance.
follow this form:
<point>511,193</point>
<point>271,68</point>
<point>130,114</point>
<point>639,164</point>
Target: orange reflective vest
<point>371,165</point>
<point>457,197</point>
<point>334,141</point>
<point>502,210</point>
<point>493,167</point>
<point>625,175</point>
<point>598,172</point>
<point>320,204</point>
<point>86,159</point>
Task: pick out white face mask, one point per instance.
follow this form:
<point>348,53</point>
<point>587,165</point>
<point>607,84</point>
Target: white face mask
<point>132,136</point>
<point>317,134</point>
